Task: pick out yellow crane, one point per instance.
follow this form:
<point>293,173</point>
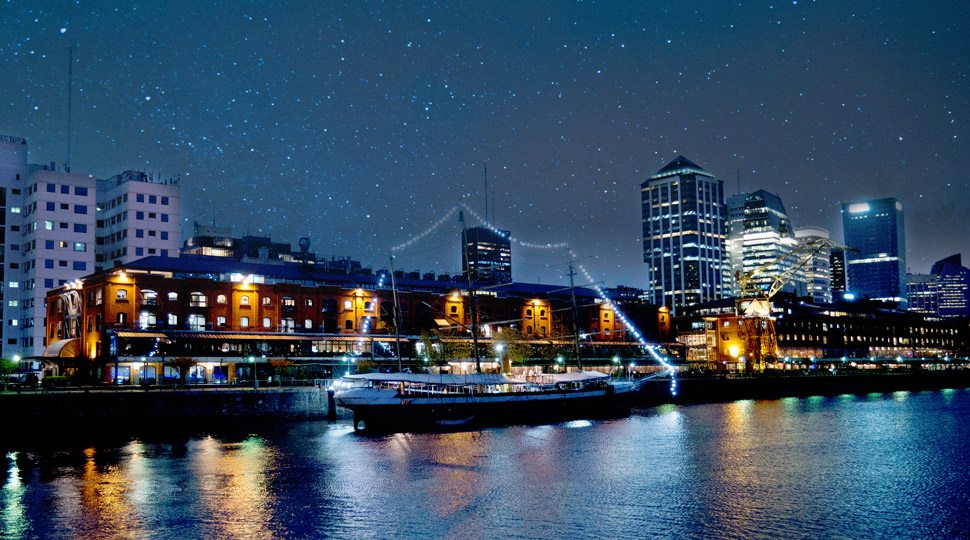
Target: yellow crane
<point>756,326</point>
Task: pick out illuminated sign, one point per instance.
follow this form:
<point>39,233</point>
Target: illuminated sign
<point>858,208</point>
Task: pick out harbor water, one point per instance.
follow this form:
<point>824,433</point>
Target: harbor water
<point>885,465</point>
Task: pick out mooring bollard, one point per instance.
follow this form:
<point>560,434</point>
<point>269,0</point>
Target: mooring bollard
<point>331,406</point>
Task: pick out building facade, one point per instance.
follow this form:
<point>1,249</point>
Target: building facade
<point>837,264</point>
<point>816,274</point>
<point>137,217</point>
<point>876,261</point>
<point>760,236</point>
<point>684,230</point>
<point>954,286</point>
<point>487,254</point>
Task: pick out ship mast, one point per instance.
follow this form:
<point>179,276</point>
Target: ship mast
<point>471,292</point>
<point>396,315</point>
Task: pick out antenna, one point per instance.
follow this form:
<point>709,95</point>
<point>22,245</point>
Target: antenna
<point>70,108</point>
<point>485,169</point>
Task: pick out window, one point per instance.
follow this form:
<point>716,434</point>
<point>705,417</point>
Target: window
<point>51,188</point>
<point>308,302</point>
<point>48,225</point>
<point>220,321</point>
<point>139,233</point>
<point>49,244</point>
<point>80,266</point>
<point>289,301</point>
<point>173,297</point>
<point>51,207</point>
<point>349,324</point>
<point>80,209</point>
<point>140,197</point>
<point>454,309</point>
<point>48,263</point>
<point>164,218</point>
<point>368,306</point>
<point>80,228</point>
<point>348,304</point>
<point>244,322</point>
<point>289,325</point>
<point>308,324</point>
<point>164,235</point>
<point>139,215</point>
<point>65,189</point>
<point>173,320</point>
<point>221,299</point>
<point>149,297</point>
<point>48,283</point>
<point>81,191</point>
<point>267,322</point>
<point>244,300</point>
<point>267,300</point>
<point>80,246</point>
<point>197,299</point>
<point>122,294</point>
<point>152,199</point>
<point>196,322</point>
<point>165,200</point>
<point>146,320</point>
<point>122,318</point>
<point>139,252</point>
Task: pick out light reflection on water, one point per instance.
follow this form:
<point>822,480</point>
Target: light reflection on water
<point>891,465</point>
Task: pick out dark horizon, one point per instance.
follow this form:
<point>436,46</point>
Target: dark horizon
<point>361,126</point>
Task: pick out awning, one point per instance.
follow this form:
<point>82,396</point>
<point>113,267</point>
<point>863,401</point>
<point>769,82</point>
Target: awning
<point>64,348</point>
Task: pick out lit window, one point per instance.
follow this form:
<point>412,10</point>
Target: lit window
<point>348,304</point>
<point>243,322</point>
<point>221,299</point>
<point>244,300</point>
<point>267,322</point>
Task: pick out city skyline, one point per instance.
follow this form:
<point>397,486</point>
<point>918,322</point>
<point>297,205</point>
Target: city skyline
<point>360,128</point>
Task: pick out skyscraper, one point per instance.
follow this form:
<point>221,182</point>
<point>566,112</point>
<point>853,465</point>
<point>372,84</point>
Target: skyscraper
<point>876,265</point>
<point>684,229</point>
<point>837,263</point>
<point>487,254</point>
<point>954,286</point>
<point>816,274</point>
<point>759,237</point>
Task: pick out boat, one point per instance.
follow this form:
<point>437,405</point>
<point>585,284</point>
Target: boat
<point>392,402</point>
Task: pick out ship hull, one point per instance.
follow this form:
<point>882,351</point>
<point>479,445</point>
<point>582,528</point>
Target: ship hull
<point>376,413</point>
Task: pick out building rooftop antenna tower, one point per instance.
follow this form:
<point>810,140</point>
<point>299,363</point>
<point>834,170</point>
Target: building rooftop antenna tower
<point>70,107</point>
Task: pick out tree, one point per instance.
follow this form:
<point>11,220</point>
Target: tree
<point>182,364</point>
<point>439,353</point>
<point>514,349</point>
<point>7,366</point>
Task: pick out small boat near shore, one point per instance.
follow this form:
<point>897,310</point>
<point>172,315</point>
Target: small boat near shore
<point>390,402</point>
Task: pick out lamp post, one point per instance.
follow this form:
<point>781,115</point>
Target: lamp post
<point>559,362</point>
<point>616,362</point>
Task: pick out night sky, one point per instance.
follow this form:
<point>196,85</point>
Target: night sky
<point>361,125</point>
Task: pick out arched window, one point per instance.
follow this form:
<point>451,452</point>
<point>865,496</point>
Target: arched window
<point>122,317</point>
<point>244,322</point>
<point>122,294</point>
<point>349,324</point>
<point>454,309</point>
<point>198,299</point>
<point>196,322</point>
<point>221,299</point>
<point>267,322</point>
<point>267,300</point>
<point>220,321</point>
<point>289,325</point>
<point>308,324</point>
<point>528,313</point>
<point>289,301</point>
<point>149,297</point>
<point>368,306</point>
<point>173,297</point>
<point>244,300</point>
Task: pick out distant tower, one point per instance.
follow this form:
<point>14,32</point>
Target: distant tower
<point>876,267</point>
<point>954,283</point>
<point>817,272</point>
<point>684,229</point>
<point>487,254</point>
<point>837,265</point>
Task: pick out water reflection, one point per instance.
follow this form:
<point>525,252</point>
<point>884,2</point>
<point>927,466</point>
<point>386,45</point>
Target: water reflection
<point>888,465</point>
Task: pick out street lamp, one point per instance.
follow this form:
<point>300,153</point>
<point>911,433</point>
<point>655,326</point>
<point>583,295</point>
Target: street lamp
<point>560,360</point>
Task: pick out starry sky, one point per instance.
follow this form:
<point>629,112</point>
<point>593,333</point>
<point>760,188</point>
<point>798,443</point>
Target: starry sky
<point>362,124</point>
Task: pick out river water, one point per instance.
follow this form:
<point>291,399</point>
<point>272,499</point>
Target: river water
<point>876,466</point>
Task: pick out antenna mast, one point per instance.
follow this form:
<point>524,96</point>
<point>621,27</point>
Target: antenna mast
<point>471,292</point>
<point>397,313</point>
<point>70,108</point>
<point>572,293</point>
<point>485,169</point>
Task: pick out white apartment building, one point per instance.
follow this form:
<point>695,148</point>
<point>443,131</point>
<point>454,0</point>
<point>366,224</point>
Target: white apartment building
<point>57,226</point>
<point>137,217</point>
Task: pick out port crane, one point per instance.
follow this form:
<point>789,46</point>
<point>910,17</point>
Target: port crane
<point>756,326</point>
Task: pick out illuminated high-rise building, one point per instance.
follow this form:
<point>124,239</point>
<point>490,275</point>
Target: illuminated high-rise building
<point>837,264</point>
<point>684,229</point>
<point>954,286</point>
<point>487,254</point>
<point>876,263</point>
<point>923,294</point>
<point>760,235</point>
<point>816,274</point>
